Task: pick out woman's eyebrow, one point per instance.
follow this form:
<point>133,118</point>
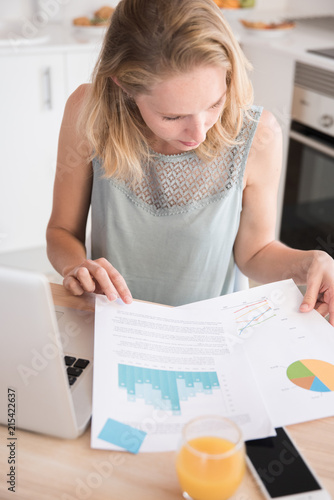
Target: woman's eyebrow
<point>172,115</point>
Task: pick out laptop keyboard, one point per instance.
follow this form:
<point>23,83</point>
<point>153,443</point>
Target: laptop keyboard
<point>75,367</point>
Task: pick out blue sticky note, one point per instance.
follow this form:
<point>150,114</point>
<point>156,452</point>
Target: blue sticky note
<point>122,435</point>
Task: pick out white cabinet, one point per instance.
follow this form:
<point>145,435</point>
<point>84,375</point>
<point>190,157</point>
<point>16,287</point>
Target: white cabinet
<point>32,94</point>
<point>79,67</point>
<point>34,88</point>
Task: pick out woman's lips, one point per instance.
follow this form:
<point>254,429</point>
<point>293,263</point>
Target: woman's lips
<point>190,144</point>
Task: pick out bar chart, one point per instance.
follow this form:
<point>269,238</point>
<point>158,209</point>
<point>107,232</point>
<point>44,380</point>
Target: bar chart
<point>164,389</point>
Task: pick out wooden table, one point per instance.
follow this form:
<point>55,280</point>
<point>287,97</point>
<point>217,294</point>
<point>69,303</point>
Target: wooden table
<point>50,468</point>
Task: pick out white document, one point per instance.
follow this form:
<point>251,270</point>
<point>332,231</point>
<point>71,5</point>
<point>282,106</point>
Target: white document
<point>291,353</point>
<point>155,368</point>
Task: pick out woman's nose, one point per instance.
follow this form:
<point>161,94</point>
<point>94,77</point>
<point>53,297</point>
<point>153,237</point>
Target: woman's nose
<point>197,130</point>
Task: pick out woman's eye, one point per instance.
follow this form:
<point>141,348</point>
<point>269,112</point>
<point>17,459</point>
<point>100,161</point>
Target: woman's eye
<point>171,118</point>
<point>217,105</point>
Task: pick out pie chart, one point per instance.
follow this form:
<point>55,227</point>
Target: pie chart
<point>312,374</point>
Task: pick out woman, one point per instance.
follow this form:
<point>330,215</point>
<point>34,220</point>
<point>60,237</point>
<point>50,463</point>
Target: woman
<point>180,170</point>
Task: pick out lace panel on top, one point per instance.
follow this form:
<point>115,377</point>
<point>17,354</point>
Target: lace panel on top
<point>176,183</point>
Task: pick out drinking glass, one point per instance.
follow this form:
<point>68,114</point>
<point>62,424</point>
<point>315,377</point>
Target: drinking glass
<point>210,461</point>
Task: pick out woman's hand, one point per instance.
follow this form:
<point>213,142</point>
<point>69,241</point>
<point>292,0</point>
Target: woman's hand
<point>320,286</point>
<point>97,276</point>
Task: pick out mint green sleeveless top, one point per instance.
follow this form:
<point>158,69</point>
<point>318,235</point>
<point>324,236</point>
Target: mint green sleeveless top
<point>172,236</point>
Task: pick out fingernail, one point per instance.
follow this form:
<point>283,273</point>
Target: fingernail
<point>304,307</point>
<point>112,297</point>
<point>127,299</point>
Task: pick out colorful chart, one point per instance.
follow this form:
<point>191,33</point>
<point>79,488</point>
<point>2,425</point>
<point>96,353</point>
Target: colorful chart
<point>163,388</point>
<point>312,374</point>
<point>253,314</point>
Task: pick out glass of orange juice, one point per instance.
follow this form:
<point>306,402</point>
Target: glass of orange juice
<point>210,461</point>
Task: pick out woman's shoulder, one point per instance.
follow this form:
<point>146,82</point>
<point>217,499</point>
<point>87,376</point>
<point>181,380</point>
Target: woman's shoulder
<point>265,127</point>
<point>257,121</point>
<point>268,119</point>
<point>80,92</point>
<point>77,98</point>
<point>269,133</point>
<point>267,122</point>
<point>75,104</point>
<point>265,154</point>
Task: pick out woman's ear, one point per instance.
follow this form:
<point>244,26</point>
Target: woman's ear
<point>115,80</point>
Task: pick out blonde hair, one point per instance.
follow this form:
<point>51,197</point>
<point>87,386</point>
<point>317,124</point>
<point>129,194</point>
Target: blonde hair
<point>147,41</point>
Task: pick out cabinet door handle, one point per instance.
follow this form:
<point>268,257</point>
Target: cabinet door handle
<point>47,91</point>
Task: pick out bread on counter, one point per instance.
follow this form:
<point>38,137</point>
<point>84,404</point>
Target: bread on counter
<point>101,18</point>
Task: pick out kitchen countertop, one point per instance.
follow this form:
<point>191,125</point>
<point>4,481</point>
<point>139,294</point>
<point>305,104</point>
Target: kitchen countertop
<point>295,43</point>
<point>53,38</point>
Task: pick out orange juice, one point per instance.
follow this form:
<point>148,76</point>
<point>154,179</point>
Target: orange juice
<point>210,477</point>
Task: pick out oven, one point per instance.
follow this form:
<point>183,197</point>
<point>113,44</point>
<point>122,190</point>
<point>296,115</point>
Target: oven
<point>308,205</point>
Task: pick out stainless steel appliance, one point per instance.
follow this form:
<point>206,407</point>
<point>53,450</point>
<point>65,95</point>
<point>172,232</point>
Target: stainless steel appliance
<point>308,206</point>
<point>328,52</point>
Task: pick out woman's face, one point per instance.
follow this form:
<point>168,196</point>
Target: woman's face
<point>181,109</point>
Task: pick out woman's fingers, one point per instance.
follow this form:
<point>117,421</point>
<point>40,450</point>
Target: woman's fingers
<point>97,276</point>
<point>311,294</point>
<point>117,280</point>
<point>72,285</point>
<point>320,286</point>
<point>322,308</point>
<point>84,277</point>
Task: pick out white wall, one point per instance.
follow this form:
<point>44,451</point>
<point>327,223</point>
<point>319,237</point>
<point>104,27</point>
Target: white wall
<point>69,9</point>
<point>311,7</point>
<point>66,10</point>
<point>13,9</point>
<point>76,8</point>
<point>57,10</point>
<point>305,7</point>
<point>271,4</point>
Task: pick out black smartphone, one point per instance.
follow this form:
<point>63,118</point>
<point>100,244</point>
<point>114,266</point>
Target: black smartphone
<point>280,469</point>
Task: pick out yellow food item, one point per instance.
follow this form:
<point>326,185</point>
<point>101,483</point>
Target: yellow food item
<point>101,18</point>
<point>260,25</point>
<point>81,21</point>
<point>228,4</point>
<point>104,12</point>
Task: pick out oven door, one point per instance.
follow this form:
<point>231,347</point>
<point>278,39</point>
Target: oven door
<point>308,207</point>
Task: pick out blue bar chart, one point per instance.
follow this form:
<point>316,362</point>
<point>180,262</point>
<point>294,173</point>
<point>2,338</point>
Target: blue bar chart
<point>164,389</point>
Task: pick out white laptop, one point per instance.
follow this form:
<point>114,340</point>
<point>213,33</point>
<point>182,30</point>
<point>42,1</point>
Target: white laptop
<point>46,358</point>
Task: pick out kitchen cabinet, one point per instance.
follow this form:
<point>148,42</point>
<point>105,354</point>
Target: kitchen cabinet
<point>79,67</point>
<point>32,93</point>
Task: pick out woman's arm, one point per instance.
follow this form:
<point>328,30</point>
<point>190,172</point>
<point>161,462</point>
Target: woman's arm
<point>71,196</point>
<point>257,253</point>
<point>71,201</point>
